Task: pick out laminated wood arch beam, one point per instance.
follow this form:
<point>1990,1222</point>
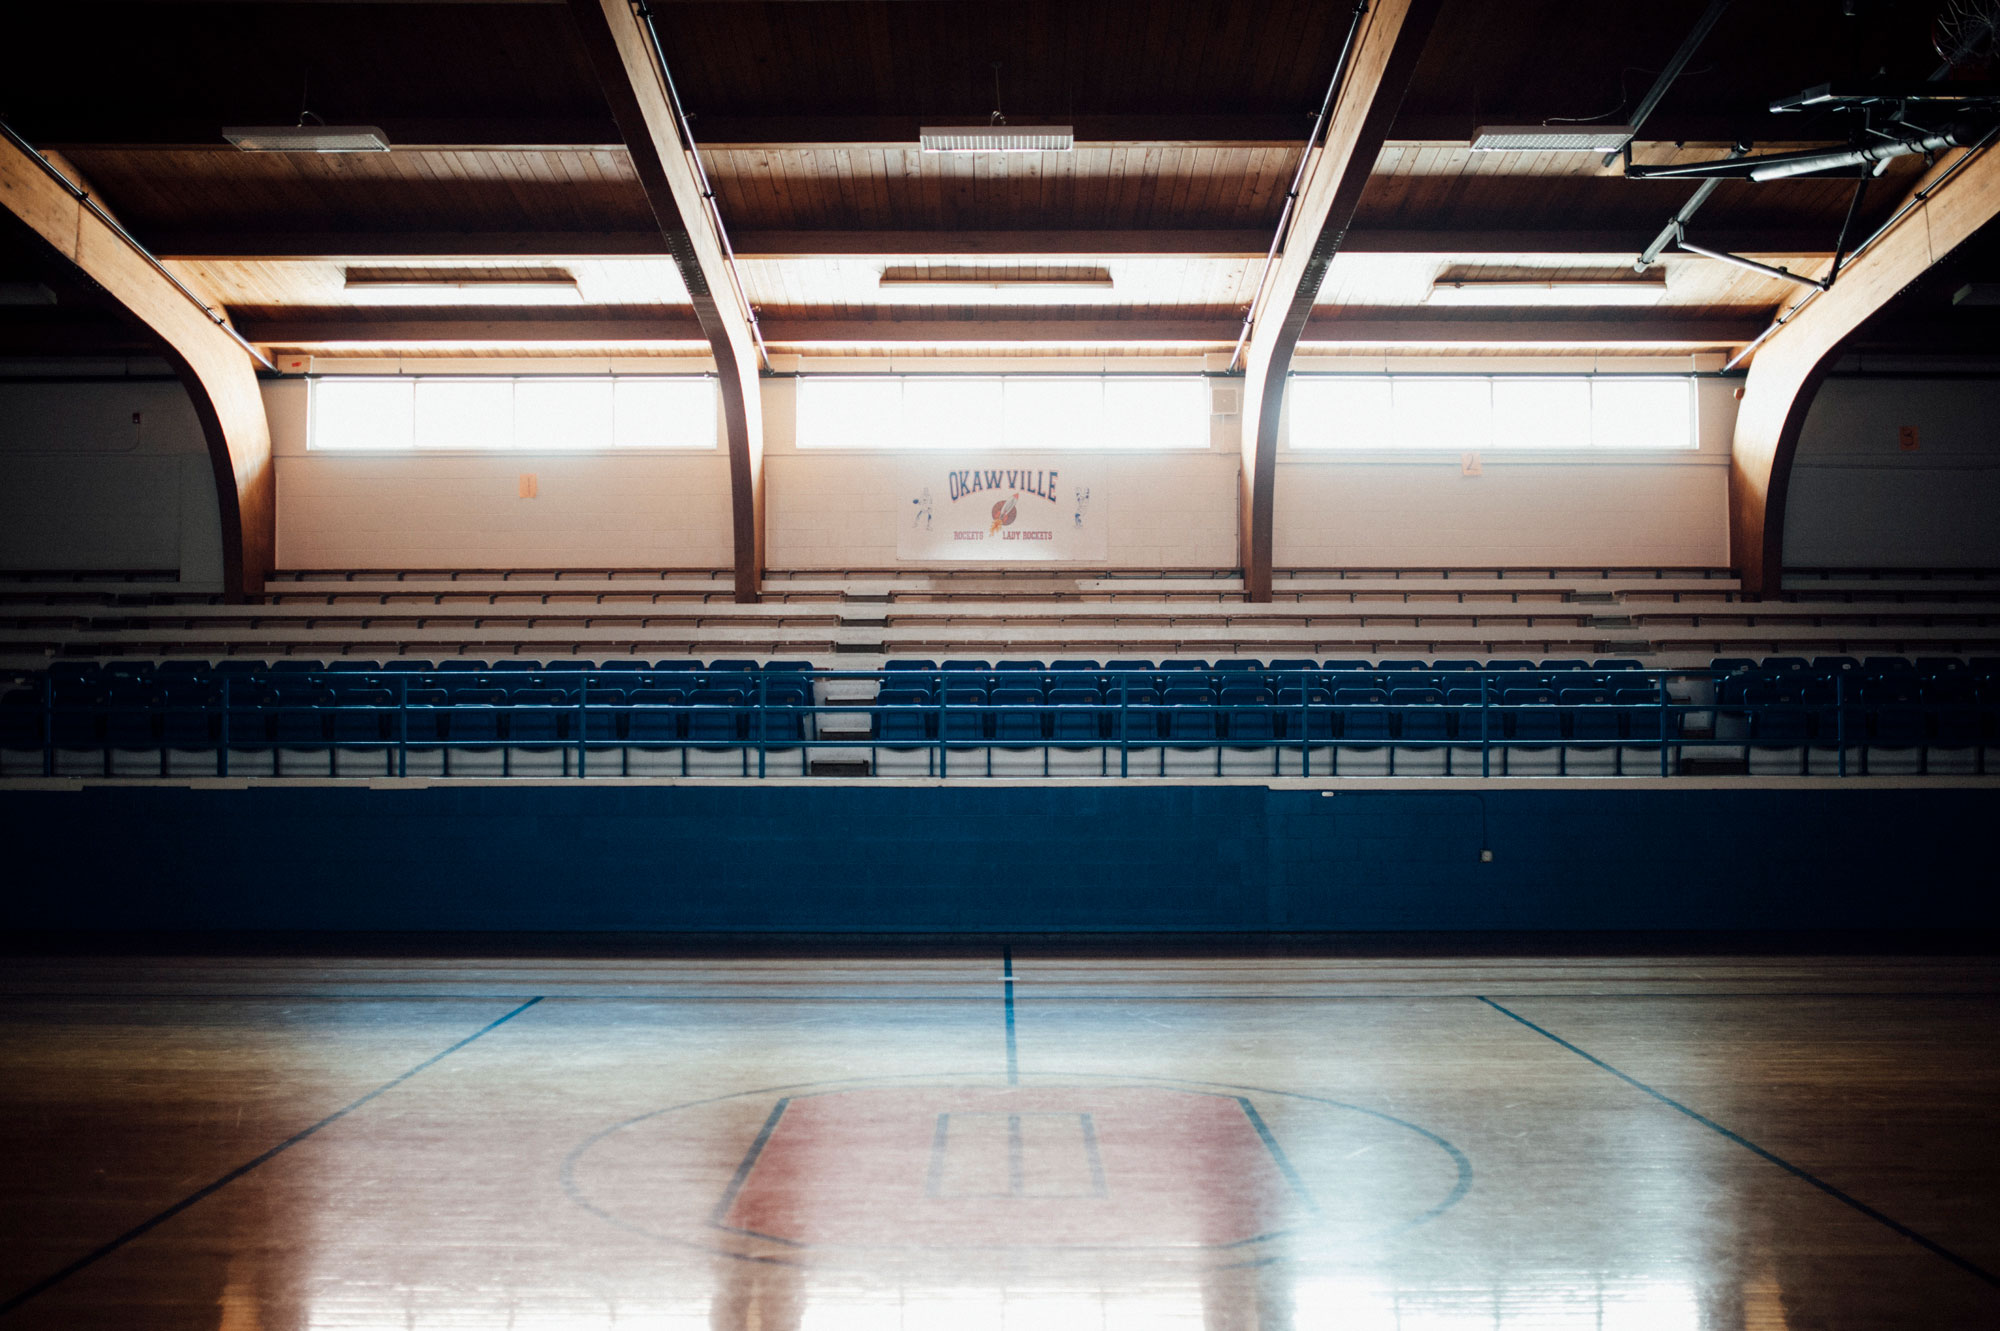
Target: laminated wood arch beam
<point>1940,214</point>
<point>621,53</point>
<point>215,368</point>
<point>1386,45</point>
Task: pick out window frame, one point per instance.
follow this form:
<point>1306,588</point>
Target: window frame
<point>1485,443</point>
<point>416,446</point>
<point>1199,436</point>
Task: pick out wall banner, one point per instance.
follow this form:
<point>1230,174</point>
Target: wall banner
<point>1003,509</point>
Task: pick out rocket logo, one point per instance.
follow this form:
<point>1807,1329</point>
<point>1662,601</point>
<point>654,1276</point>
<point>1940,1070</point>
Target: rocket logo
<point>1004,514</point>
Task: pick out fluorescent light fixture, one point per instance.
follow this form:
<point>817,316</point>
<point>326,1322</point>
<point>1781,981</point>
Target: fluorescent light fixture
<point>996,138</point>
<point>1550,138</point>
<point>471,289</point>
<point>1977,293</point>
<point>307,138</point>
<point>1546,291</point>
<point>25,293</point>
<point>948,284</point>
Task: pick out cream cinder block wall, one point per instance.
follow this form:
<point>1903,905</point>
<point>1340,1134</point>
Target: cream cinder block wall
<point>85,485</point>
<point>1858,500</point>
<point>651,509</point>
<point>1527,509</point>
<point>841,508</point>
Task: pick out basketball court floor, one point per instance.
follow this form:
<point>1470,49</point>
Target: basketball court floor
<point>983,1136</point>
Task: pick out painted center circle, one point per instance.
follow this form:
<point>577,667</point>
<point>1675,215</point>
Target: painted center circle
<point>832,1173</point>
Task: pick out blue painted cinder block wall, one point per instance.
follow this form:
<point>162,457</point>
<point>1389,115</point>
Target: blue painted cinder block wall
<point>802,858</point>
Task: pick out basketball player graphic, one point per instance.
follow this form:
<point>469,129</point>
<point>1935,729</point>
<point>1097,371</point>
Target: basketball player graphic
<point>1082,503</point>
<point>922,520</point>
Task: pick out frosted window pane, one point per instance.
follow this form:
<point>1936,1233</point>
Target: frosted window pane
<point>849,413</point>
<point>562,413</point>
<point>665,413</point>
<point>951,413</point>
<point>1541,413</point>
<point>1054,413</point>
<point>1341,413</point>
<point>1155,413</point>
<point>465,413</point>
<point>1443,413</point>
<point>361,413</point>
<point>1642,413</point>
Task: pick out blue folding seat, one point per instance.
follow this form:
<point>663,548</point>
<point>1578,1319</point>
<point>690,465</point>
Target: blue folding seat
<point>1886,667</point>
<point>409,667</point>
<point>535,744</point>
<point>360,722</point>
<point>1897,729</point>
<point>1239,666</point>
<point>1365,732</point>
<point>1834,665</point>
<point>474,731</point>
<point>346,666</point>
<point>653,730</point>
<point>1939,665</point>
<point>288,666</point>
<point>1019,668</point>
<point>1018,724</point>
<point>1617,663</point>
<point>131,728</point>
<point>1076,725</point>
<point>679,665</point>
<point>1783,665</point>
<point>239,666</point>
<point>904,714</point>
<point>1511,667</point>
<point>1456,667</point>
<point>1563,666</point>
<point>1403,667</point>
<point>462,667</point>
<point>904,721</point>
<point>1191,721</point>
<point>1533,718</point>
<point>1286,671</point>
<point>1348,667</point>
<point>909,665</point>
<point>1131,674</point>
<point>965,725</point>
<point>1593,723</point>
<point>1422,725</point>
<point>181,670</point>
<point>301,730</point>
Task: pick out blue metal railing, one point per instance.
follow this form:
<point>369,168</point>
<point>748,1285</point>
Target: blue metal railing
<point>1689,720</point>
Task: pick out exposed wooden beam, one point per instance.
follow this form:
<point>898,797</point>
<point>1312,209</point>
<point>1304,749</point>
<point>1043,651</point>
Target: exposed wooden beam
<point>620,49</point>
<point>306,329</point>
<point>337,246</point>
<point>1793,362</point>
<point>1386,45</point>
<point>218,373</point>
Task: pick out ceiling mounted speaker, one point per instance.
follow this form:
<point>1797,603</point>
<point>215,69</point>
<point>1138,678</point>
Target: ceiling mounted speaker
<point>307,138</point>
<point>997,138</point>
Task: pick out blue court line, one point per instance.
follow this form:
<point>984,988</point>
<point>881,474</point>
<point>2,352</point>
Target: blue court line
<point>1007,988</point>
<point>147,1226</point>
<point>1971,1268</point>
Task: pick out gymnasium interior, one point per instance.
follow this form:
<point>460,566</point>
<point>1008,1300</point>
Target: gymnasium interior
<point>1000,665</point>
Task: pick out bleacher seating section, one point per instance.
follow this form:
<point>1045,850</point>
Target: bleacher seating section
<point>1015,717</point>
<point>1664,616</point>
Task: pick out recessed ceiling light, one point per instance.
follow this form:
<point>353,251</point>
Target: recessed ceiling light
<point>996,138</point>
<point>952,284</point>
<point>307,138</point>
<point>1550,138</point>
<point>1516,291</point>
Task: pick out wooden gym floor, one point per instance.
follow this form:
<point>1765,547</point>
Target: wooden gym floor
<point>974,1136</point>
